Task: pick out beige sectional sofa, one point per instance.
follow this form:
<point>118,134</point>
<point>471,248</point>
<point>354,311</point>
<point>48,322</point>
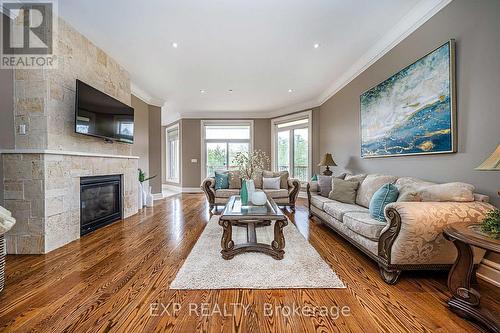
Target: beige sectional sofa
<point>411,237</point>
<point>285,196</point>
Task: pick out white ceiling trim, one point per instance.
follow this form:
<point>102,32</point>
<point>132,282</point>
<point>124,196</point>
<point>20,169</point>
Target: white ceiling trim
<point>144,96</point>
<point>420,14</point>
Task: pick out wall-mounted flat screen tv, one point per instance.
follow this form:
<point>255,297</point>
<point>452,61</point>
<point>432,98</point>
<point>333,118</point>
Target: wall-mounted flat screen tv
<point>100,115</point>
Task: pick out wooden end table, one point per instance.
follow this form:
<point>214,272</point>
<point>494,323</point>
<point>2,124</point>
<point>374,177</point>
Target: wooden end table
<point>252,217</point>
<point>465,300</point>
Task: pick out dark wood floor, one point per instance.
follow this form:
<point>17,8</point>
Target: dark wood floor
<point>108,280</point>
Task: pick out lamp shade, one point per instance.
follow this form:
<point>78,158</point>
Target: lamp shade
<point>492,163</point>
<point>327,160</point>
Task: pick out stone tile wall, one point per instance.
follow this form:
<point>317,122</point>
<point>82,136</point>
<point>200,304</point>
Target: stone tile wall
<point>43,192</point>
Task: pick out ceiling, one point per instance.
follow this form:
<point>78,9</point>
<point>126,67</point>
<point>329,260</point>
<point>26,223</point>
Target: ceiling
<point>261,50</point>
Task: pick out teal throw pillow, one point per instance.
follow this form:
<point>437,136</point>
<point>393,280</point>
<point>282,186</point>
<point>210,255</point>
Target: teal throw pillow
<point>221,180</point>
<point>314,178</point>
<point>385,195</point>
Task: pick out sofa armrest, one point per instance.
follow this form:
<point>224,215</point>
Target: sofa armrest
<point>413,234</point>
<point>208,186</point>
<point>293,190</point>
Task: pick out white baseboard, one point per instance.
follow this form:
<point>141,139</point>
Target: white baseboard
<point>179,189</point>
<point>157,196</point>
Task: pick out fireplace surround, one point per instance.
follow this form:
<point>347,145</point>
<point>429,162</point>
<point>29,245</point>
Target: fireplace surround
<point>101,202</point>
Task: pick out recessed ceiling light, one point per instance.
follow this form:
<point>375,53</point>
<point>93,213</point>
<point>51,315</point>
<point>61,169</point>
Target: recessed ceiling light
<point>202,91</point>
<point>230,90</point>
<point>175,45</point>
<point>316,45</point>
<point>290,90</point>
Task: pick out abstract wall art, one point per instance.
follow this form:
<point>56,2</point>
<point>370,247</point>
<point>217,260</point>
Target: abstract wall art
<point>414,111</point>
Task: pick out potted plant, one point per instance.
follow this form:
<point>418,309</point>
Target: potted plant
<point>491,223</point>
<point>248,166</point>
<point>143,194</point>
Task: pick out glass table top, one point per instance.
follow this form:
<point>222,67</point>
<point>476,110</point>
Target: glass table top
<point>235,208</point>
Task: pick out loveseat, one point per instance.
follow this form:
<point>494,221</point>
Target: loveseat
<point>411,236</point>
<point>286,195</point>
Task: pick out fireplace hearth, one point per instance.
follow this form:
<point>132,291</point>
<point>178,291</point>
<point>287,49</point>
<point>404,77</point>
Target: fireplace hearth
<point>100,202</point>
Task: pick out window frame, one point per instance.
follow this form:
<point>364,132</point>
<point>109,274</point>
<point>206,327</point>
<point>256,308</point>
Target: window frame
<point>167,151</point>
<point>204,140</point>
<point>274,137</point>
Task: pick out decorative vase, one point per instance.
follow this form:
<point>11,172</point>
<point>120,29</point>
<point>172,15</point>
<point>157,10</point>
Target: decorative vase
<point>250,188</point>
<point>139,196</point>
<point>259,198</point>
<point>149,198</point>
<point>244,193</point>
<point>144,195</point>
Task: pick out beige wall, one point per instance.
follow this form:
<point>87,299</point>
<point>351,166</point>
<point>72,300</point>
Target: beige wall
<point>475,27</point>
<point>155,148</point>
<point>141,133</point>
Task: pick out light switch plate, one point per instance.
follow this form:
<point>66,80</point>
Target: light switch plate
<point>22,129</point>
<point>194,160</point>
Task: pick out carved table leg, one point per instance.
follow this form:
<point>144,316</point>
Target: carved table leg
<point>226,241</point>
<point>278,244</point>
<point>465,300</point>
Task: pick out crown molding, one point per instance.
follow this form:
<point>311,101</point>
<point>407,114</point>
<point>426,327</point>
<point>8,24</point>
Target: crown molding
<point>413,20</point>
<point>144,96</point>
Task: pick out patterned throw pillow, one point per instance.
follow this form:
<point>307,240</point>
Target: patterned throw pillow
<point>234,179</point>
<point>221,180</point>
<point>382,197</point>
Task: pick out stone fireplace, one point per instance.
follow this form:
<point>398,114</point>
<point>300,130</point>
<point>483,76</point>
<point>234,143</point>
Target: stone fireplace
<point>43,192</point>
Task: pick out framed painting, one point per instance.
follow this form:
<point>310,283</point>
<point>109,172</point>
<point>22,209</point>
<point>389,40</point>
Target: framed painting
<point>414,111</point>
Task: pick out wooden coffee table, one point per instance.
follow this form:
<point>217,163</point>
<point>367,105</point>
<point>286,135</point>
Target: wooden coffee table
<point>252,217</point>
<point>465,299</point>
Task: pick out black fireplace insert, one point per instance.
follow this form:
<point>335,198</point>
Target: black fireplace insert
<point>100,202</point>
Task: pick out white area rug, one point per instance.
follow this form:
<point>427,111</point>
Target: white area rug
<point>302,266</point>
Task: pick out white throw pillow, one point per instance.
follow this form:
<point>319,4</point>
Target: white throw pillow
<point>271,183</point>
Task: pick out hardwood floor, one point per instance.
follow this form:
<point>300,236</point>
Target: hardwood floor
<point>117,279</point>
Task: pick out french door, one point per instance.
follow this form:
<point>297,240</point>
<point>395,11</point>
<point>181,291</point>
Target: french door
<point>292,147</point>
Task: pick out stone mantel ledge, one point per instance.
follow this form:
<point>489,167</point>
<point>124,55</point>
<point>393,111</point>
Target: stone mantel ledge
<point>63,152</point>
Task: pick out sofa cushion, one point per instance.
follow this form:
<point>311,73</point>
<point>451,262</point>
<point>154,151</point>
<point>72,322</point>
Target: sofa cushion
<point>275,194</point>
<point>359,178</point>
<point>226,193</point>
<point>409,187</point>
<point>284,175</point>
<point>338,209</point>
<point>318,201</point>
<point>363,224</point>
<point>271,183</point>
<point>324,185</point>
<point>343,190</point>
<point>221,180</point>
<point>385,195</point>
<point>370,185</point>
<point>454,192</point>
<point>257,179</point>
<point>234,179</point>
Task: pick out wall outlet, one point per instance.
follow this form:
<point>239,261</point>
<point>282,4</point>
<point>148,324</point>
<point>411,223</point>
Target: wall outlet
<point>22,129</point>
<point>194,160</point>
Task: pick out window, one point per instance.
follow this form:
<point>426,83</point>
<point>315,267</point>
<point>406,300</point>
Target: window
<point>221,140</point>
<point>173,158</point>
<point>292,145</point>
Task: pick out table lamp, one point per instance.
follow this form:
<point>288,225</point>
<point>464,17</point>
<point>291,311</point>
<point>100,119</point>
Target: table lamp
<point>492,163</point>
<point>328,162</point>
